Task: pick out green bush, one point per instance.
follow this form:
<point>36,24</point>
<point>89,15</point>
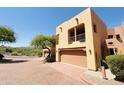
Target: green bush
<point>39,54</point>
<point>2,50</point>
<point>116,65</point>
<point>50,58</point>
<point>22,51</point>
<point>9,50</point>
<point>15,54</point>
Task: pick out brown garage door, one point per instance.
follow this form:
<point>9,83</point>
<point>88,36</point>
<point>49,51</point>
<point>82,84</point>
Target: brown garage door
<point>75,57</point>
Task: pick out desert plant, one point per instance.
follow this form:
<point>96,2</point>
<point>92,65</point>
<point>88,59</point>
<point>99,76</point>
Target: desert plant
<point>9,49</point>
<point>15,54</point>
<point>2,50</point>
<point>50,58</point>
<point>116,65</point>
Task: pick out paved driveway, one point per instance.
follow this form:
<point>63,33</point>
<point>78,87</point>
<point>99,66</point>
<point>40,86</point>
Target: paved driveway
<point>25,70</point>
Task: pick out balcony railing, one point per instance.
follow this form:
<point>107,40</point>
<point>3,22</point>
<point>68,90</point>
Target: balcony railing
<point>71,39</point>
<point>79,37</point>
<point>110,42</point>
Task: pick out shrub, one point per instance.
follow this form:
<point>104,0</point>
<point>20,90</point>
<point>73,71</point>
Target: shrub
<point>14,54</point>
<point>2,50</point>
<point>39,54</point>
<point>50,58</point>
<point>9,50</point>
<point>22,51</point>
<point>116,65</point>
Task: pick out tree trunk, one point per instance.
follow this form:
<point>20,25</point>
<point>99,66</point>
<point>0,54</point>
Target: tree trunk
<point>49,51</point>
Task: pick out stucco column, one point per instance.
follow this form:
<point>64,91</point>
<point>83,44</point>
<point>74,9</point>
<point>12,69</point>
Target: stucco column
<point>75,34</point>
<point>58,55</point>
<point>115,51</point>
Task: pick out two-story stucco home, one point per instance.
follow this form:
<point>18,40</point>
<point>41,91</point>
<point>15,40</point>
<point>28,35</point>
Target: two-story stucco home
<point>81,40</point>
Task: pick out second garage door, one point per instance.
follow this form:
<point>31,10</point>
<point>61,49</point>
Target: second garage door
<point>75,57</point>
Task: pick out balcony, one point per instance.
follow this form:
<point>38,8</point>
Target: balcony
<point>79,37</point>
<point>111,43</point>
<point>76,33</point>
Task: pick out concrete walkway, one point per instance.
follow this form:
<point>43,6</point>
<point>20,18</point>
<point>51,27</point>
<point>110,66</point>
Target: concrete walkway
<point>95,78</point>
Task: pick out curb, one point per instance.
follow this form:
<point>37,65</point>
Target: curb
<point>86,81</point>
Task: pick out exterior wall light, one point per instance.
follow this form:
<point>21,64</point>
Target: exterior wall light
<point>90,51</point>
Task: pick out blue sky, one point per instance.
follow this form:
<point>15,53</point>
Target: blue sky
<point>29,22</point>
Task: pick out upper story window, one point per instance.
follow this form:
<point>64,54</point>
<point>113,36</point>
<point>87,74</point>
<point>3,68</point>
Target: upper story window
<point>76,34</point>
<point>118,38</point>
<point>110,36</point>
<point>60,29</point>
<point>110,43</point>
<point>77,21</point>
<point>57,39</point>
<point>94,28</point>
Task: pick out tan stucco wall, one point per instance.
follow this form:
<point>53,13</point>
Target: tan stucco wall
<point>99,46</point>
<point>93,40</point>
<point>110,31</point>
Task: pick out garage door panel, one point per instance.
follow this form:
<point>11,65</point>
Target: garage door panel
<point>74,57</point>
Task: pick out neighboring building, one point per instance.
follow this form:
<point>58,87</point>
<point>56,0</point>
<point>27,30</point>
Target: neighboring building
<point>81,40</point>
<point>115,41</point>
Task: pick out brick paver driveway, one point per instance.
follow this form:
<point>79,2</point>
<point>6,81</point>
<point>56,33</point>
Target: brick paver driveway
<point>24,70</point>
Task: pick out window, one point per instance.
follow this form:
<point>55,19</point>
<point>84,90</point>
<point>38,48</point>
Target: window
<point>76,34</point>
<point>94,28</point>
<point>57,39</point>
<point>110,36</point>
<point>110,43</point>
<point>80,33</point>
<point>71,35</point>
<point>60,29</point>
<point>118,38</point>
<point>77,21</point>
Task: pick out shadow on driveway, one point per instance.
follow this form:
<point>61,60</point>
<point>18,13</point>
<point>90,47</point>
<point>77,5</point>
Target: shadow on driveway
<point>10,61</point>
